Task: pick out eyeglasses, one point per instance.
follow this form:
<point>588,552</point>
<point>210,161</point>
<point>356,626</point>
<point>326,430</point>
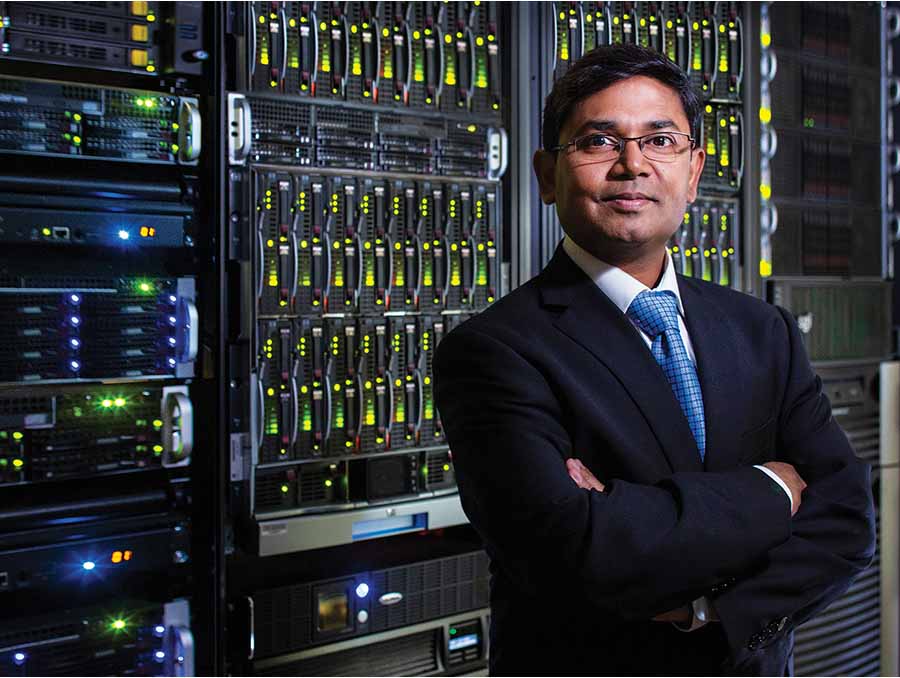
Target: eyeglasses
<point>660,146</point>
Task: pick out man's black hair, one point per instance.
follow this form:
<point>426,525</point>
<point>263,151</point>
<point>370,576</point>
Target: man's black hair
<point>605,66</point>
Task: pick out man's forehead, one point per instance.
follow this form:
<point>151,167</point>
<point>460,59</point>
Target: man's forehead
<point>638,102</point>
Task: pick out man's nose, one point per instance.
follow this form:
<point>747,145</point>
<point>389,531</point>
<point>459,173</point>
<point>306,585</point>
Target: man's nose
<point>631,160</point>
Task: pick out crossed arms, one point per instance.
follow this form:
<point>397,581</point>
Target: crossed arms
<point>638,550</point>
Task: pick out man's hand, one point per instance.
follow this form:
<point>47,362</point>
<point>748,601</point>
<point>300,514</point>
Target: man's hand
<point>582,477</point>
<point>791,478</point>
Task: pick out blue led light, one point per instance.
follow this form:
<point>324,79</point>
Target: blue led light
<point>171,362</point>
<point>172,298</point>
<point>159,630</point>
<point>159,656</point>
<point>75,320</point>
<point>362,590</point>
<point>88,565</point>
<point>75,365</point>
<point>75,298</point>
<point>172,320</point>
<point>19,658</point>
<point>124,235</point>
<point>74,343</point>
<point>172,341</point>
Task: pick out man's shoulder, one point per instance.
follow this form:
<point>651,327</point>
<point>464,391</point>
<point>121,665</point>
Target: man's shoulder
<point>733,303</point>
<point>515,312</point>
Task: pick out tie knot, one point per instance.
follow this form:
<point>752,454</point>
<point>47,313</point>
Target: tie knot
<point>654,312</point>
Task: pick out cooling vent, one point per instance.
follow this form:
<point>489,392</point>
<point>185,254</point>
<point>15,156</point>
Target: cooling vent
<point>864,435</point>
<point>845,639</point>
<point>17,407</point>
<point>269,495</point>
<point>415,655</point>
<point>72,50</point>
<point>40,634</point>
<point>312,484</point>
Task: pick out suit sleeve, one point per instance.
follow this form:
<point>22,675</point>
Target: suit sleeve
<point>832,534</point>
<point>634,550</point>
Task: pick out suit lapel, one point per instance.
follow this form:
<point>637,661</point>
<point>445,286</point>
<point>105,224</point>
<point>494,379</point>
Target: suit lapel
<point>712,333</point>
<point>589,318</point>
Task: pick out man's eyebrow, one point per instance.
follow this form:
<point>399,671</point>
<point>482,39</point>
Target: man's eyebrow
<point>613,125</point>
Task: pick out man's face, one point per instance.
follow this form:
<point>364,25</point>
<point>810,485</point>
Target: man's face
<point>622,207</point>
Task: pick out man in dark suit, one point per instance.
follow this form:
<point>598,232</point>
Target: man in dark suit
<point>649,458</point>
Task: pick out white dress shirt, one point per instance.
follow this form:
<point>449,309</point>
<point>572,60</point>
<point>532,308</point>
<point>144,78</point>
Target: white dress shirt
<point>622,288</point>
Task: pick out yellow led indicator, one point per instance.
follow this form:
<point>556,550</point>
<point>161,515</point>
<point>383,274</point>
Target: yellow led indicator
<point>765,191</point>
<point>446,467</point>
<point>765,268</point>
<point>139,33</point>
<point>18,463</point>
<point>118,624</point>
<point>328,483</point>
<point>765,115</point>
<point>765,39</point>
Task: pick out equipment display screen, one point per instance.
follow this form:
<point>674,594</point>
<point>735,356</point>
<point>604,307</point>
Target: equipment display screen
<point>334,612</point>
<point>463,641</point>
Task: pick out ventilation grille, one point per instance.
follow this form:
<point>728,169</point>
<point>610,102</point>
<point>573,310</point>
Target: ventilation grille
<point>269,494</point>
<point>845,639</point>
<point>72,50</point>
<point>414,655</point>
<point>865,436</point>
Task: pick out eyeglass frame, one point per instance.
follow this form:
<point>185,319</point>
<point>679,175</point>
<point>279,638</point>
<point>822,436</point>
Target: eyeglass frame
<point>624,140</point>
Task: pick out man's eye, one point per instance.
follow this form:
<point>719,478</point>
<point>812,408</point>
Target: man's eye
<point>661,140</point>
<point>599,141</point>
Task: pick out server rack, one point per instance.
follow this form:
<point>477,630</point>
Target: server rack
<point>108,330</point>
<point>365,219</point>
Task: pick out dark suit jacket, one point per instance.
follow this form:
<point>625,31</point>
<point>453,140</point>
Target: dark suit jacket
<point>554,370</point>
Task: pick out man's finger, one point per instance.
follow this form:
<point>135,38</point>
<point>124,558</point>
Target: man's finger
<point>582,476</point>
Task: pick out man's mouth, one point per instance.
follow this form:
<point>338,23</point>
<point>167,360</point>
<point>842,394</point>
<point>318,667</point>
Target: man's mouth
<point>628,201</point>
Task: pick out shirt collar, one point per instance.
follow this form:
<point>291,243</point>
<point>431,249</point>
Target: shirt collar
<point>619,286</point>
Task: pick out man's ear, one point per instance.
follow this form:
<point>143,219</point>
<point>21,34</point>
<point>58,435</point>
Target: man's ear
<point>545,171</point>
<point>698,159</point>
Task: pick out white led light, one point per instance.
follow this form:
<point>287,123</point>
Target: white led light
<point>124,235</point>
<point>88,565</point>
<point>362,590</point>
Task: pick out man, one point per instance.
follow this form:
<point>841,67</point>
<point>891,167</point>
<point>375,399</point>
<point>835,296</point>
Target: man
<point>632,444</point>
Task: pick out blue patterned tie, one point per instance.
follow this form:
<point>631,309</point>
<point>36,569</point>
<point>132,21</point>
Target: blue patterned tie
<point>656,313</point>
